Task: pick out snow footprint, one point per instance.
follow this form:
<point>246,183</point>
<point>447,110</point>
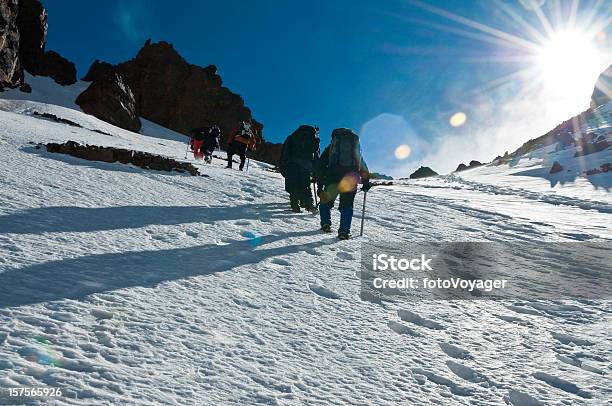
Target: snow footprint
<point>281,262</point>
<point>579,364</point>
<point>192,234</point>
<point>345,256</point>
<point>414,318</point>
<point>518,398</point>
<point>467,373</point>
<point>401,329</point>
<point>455,352</point>
<point>561,384</point>
<point>512,319</point>
<point>323,291</point>
<point>568,340</point>
<point>101,314</point>
<point>440,380</point>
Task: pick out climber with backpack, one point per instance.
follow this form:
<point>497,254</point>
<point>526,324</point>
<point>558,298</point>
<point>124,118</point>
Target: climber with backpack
<point>197,141</point>
<point>241,140</point>
<point>204,140</point>
<point>211,142</point>
<point>339,171</point>
<point>298,157</point>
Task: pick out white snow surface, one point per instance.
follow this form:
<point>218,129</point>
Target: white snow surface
<point>126,286</point>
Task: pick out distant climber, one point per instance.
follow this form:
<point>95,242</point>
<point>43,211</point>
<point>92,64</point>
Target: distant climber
<point>196,142</point>
<point>299,155</point>
<point>339,171</point>
<point>211,143</point>
<point>242,139</point>
<point>204,142</point>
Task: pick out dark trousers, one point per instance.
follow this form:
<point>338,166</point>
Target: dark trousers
<point>347,199</point>
<point>239,149</point>
<point>297,184</point>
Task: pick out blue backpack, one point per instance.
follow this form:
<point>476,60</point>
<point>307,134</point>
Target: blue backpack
<point>344,150</point>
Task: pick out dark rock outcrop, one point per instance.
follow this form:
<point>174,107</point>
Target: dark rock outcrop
<point>32,23</point>
<point>181,96</point>
<point>461,167</point>
<point>110,99</point>
<point>423,172</point>
<point>556,167</point>
<point>97,70</point>
<point>604,168</point>
<point>11,70</point>
<point>588,148</point>
<point>382,176</point>
<point>109,154</point>
<point>602,93</point>
<point>32,26</point>
<point>56,119</point>
<point>473,164</point>
<point>267,152</point>
<point>58,68</point>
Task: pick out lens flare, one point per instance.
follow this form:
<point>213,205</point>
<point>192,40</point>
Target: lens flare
<point>458,119</point>
<point>348,183</point>
<point>254,239</point>
<point>403,151</point>
<point>601,36</point>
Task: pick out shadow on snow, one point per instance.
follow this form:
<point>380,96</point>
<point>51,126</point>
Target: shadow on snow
<point>86,219</point>
<point>76,278</point>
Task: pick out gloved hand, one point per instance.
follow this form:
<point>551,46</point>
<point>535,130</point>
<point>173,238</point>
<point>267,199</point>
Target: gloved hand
<point>367,185</point>
<point>319,190</point>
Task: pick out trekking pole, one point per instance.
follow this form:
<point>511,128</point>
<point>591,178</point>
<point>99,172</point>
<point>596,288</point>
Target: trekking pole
<point>365,194</point>
<point>187,149</point>
<point>248,162</point>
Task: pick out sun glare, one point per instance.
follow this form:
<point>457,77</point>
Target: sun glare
<point>568,62</point>
<point>458,119</point>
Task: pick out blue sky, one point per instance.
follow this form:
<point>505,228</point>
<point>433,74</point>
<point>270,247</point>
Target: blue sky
<point>393,70</point>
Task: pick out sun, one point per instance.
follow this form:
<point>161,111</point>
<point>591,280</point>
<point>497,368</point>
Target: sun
<point>568,61</point>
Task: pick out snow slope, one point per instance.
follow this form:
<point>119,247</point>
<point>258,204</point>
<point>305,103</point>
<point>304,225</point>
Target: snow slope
<point>127,286</point>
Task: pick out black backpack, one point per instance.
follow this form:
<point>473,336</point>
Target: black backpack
<point>344,150</point>
<point>306,138</point>
<point>200,133</point>
<point>214,132</point>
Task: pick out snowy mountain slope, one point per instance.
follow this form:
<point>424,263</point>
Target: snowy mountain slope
<point>127,286</point>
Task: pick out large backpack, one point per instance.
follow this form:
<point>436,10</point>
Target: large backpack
<point>214,132</point>
<point>344,150</point>
<point>306,140</point>
<point>200,133</point>
<point>245,130</point>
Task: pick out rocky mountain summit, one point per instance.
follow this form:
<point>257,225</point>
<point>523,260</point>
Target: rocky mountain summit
<point>161,86</point>
<point>23,28</point>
